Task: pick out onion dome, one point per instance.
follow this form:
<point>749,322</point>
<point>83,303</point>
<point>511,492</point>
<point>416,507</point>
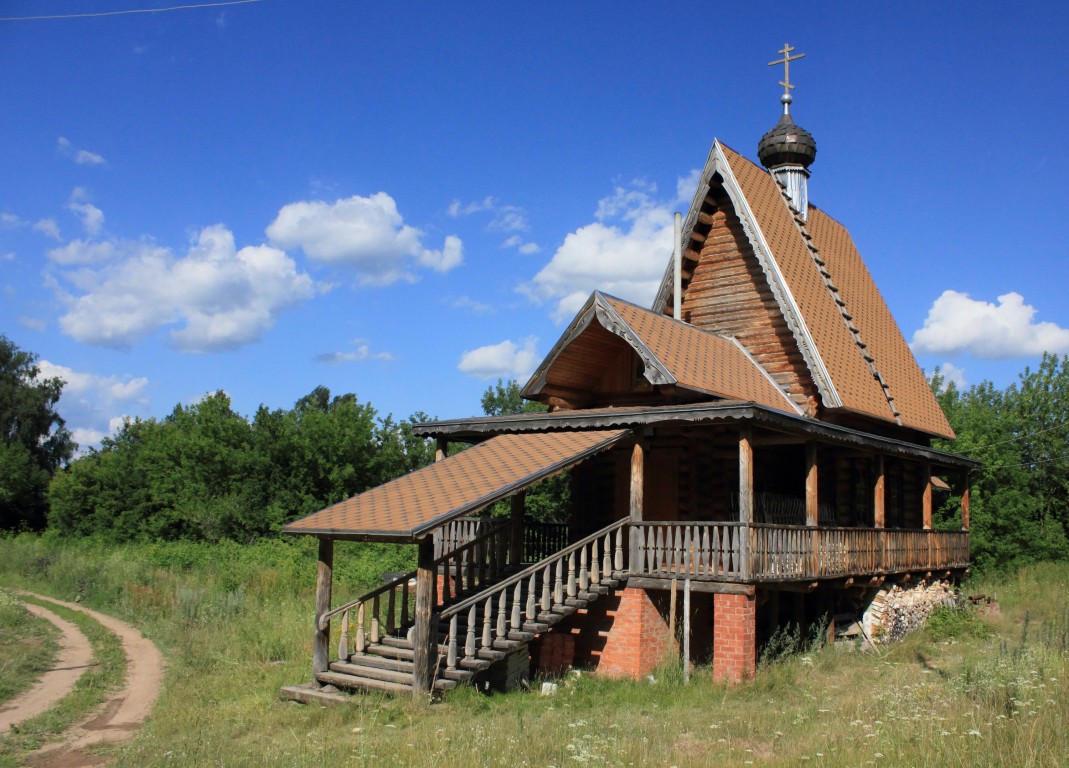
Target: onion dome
<point>787,143</point>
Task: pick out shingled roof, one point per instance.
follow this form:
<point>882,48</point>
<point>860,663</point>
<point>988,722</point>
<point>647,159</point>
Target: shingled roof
<point>410,506</point>
<point>671,353</point>
<point>853,349</point>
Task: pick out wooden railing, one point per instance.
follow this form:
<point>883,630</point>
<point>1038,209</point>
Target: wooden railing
<point>526,597</point>
<point>540,540</point>
<point>391,607</point>
<point>737,552</point>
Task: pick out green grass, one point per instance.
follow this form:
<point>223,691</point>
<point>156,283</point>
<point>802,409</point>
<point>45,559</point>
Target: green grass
<point>89,692</point>
<point>27,646</point>
<point>235,625</point>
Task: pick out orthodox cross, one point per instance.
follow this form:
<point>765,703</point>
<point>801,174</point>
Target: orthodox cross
<point>786,62</point>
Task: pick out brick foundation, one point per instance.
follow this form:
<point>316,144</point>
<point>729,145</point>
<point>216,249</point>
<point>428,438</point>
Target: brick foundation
<point>734,638</point>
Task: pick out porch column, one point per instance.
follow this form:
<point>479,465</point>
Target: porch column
<point>516,538</point>
<point>324,580</point>
<point>965,501</point>
<point>638,477</point>
<point>441,448</point>
<point>425,638</point>
<point>812,505</point>
<point>745,498</point>
<point>879,517</point>
<point>926,499</point>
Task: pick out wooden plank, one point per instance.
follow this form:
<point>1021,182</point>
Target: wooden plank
<point>638,455</point>
<point>425,644</point>
<point>324,581</point>
<point>707,587</point>
<point>926,499</point>
<point>879,510</point>
<point>745,498</point>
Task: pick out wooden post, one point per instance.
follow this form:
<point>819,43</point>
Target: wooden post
<point>812,495</point>
<point>965,502</point>
<point>926,499</point>
<point>879,516</point>
<point>686,629</point>
<point>426,635</point>
<point>324,581</point>
<point>745,497</point>
<point>516,539</point>
<point>441,448</point>
<point>812,505</point>
<point>638,457</point>
<point>672,610</point>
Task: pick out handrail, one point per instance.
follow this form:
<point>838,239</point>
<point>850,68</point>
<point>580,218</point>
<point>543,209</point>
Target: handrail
<point>324,620</point>
<point>529,570</point>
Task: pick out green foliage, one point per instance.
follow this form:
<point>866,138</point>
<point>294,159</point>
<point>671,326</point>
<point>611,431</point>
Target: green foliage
<point>949,622</point>
<point>34,442</point>
<point>1020,498</point>
<point>504,398</point>
<point>27,646</point>
<point>206,473</point>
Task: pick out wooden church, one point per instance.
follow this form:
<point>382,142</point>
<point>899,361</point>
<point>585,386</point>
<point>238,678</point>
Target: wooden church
<point>760,436</point>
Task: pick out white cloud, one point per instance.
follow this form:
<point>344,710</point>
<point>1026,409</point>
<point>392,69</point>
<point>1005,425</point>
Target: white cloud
<point>623,253</point>
<point>221,297</point>
<point>366,234</point>
<point>952,374</point>
<point>32,323</point>
<point>504,218</point>
<point>90,402</point>
<point>91,216</point>
<point>957,324</point>
<point>80,156</point>
<point>507,360</point>
<point>478,307</point>
<point>361,353</point>
<point>48,228</point>
<point>9,220</point>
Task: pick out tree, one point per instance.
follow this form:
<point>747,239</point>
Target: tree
<point>35,441</point>
<point>504,398</point>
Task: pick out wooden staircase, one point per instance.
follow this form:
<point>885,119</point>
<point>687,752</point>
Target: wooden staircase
<point>482,626</point>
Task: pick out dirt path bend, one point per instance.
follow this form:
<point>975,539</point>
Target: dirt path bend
<point>74,657</point>
<point>119,718</point>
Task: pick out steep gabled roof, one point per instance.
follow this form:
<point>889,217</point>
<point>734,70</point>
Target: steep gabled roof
<point>671,353</point>
<point>852,347</point>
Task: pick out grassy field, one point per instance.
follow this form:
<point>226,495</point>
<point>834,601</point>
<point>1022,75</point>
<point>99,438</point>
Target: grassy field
<point>27,647</point>
<point>234,623</point>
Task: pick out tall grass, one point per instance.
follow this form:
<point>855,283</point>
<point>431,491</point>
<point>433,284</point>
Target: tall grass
<point>235,623</point>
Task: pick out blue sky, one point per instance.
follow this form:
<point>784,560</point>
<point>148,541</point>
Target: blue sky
<point>409,200</point>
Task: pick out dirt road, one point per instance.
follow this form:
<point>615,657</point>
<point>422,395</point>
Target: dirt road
<point>123,713</point>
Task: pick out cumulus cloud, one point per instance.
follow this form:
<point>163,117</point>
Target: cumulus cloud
<point>93,405</point>
<point>510,219</point>
<point>623,252</point>
<point>366,234</point>
<point>80,156</point>
<point>219,297</point>
<point>92,217</point>
<point>507,360</point>
<point>49,228</point>
<point>958,324</point>
<point>952,374</point>
<point>361,353</point>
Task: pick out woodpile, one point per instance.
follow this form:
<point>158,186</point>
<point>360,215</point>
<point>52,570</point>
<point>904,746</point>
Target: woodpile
<point>896,611</point>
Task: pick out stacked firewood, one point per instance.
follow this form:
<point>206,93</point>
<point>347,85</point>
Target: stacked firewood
<point>896,611</point>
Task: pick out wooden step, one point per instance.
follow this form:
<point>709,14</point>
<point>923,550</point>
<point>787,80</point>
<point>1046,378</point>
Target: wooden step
<point>386,675</point>
<point>401,665</point>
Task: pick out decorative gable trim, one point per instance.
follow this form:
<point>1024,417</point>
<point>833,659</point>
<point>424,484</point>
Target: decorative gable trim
<point>597,307</point>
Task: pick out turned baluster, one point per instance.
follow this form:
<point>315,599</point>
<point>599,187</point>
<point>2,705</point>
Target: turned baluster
<point>375,620</point>
<point>361,641</point>
<point>343,643</point>
<point>451,653</point>
<point>606,554</point>
<point>618,561</point>
<point>502,624</point>
<point>517,596</point>
<point>595,570</point>
<point>571,574</point>
<point>488,609</point>
<point>584,569</point>
<point>532,613</point>
<point>469,640</point>
<point>558,584</point>
<point>545,588</point>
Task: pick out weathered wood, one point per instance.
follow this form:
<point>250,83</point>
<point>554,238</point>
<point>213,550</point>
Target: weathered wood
<point>441,448</point>
<point>672,608</point>
<point>879,513</point>
<point>965,503</point>
<point>812,495</point>
<point>425,640</point>
<point>926,498</point>
<point>324,582</point>
<point>635,507</point>
<point>686,629</point>
<point>745,498</point>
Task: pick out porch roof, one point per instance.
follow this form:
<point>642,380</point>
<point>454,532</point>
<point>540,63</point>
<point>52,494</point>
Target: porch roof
<point>408,508</point>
